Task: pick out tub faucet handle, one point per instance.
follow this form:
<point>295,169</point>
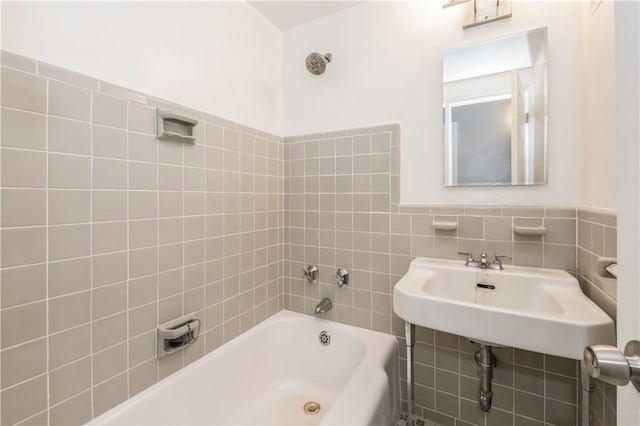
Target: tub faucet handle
<point>342,277</point>
<point>311,273</point>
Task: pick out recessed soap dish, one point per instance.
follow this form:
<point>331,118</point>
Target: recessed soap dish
<point>177,334</point>
<point>529,230</point>
<point>445,225</point>
<point>607,267</point>
<point>175,127</point>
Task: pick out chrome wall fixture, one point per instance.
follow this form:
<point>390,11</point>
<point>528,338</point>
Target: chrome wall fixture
<point>177,334</point>
<point>478,12</point>
<point>342,277</point>
<point>450,3</point>
<point>311,273</point>
<point>323,306</point>
<point>316,63</point>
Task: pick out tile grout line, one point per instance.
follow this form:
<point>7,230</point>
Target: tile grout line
<point>183,197</point>
<point>128,282</point>
<point>48,255</point>
<point>182,242</point>
<point>204,324</point>
<point>224,226</point>
<point>253,217</point>
<point>91,254</point>
<point>157,246</point>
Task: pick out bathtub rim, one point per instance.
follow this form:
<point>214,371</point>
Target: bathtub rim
<point>375,359</point>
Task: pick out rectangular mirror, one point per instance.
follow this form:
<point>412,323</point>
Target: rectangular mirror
<point>495,112</point>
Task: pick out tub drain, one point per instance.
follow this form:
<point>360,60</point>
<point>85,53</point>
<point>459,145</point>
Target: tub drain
<point>324,337</point>
<point>312,408</point>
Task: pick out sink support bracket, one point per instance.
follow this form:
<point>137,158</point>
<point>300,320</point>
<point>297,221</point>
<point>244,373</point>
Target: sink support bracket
<point>486,361</point>
<point>410,336</point>
<point>587,386</point>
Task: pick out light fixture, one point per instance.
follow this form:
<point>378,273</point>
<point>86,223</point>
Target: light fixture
<point>450,3</point>
<point>478,12</point>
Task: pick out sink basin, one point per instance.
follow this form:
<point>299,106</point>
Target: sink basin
<point>541,310</point>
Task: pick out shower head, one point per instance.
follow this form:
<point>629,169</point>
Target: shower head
<point>317,62</point>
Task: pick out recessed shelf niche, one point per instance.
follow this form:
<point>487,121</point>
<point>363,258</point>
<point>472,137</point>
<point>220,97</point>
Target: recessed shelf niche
<point>175,127</point>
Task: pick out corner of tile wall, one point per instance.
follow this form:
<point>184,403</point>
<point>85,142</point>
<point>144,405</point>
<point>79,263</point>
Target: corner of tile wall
<point>107,232</point>
<point>597,237</point>
<point>597,229</point>
<point>330,198</point>
<point>342,210</point>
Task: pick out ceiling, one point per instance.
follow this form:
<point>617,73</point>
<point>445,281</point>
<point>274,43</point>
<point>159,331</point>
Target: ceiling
<point>288,14</point>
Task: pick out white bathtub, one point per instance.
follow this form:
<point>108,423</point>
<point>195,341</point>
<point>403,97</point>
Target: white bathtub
<point>266,375</point>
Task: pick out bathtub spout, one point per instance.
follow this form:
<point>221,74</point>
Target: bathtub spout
<point>325,305</point>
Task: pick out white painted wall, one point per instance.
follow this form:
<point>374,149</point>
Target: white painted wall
<point>226,59</point>
<point>599,124</point>
<point>627,48</point>
<point>220,57</point>
<point>386,67</point>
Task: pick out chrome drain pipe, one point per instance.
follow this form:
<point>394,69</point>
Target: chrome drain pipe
<point>486,361</point>
<point>410,336</point>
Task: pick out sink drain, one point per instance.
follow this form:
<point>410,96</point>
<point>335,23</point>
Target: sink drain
<point>312,408</point>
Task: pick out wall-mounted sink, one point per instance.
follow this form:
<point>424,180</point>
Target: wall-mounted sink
<point>541,310</point>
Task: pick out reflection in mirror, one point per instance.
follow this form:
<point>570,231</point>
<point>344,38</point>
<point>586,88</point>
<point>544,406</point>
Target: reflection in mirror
<point>494,112</point>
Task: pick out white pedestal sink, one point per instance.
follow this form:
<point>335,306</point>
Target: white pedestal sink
<point>541,310</point>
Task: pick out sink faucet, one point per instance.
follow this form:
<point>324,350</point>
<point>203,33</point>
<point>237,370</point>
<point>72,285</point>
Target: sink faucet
<point>484,263</point>
<point>325,305</point>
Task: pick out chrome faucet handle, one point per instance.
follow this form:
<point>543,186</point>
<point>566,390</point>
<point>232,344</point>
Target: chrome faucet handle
<point>311,273</point>
<point>470,260</point>
<point>341,277</point>
<point>468,255</point>
<point>497,262</point>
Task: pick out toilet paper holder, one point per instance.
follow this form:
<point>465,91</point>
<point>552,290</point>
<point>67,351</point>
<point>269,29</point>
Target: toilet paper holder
<point>608,364</point>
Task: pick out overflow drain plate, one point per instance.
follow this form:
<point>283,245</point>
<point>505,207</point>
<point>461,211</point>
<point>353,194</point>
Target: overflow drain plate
<point>312,408</point>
